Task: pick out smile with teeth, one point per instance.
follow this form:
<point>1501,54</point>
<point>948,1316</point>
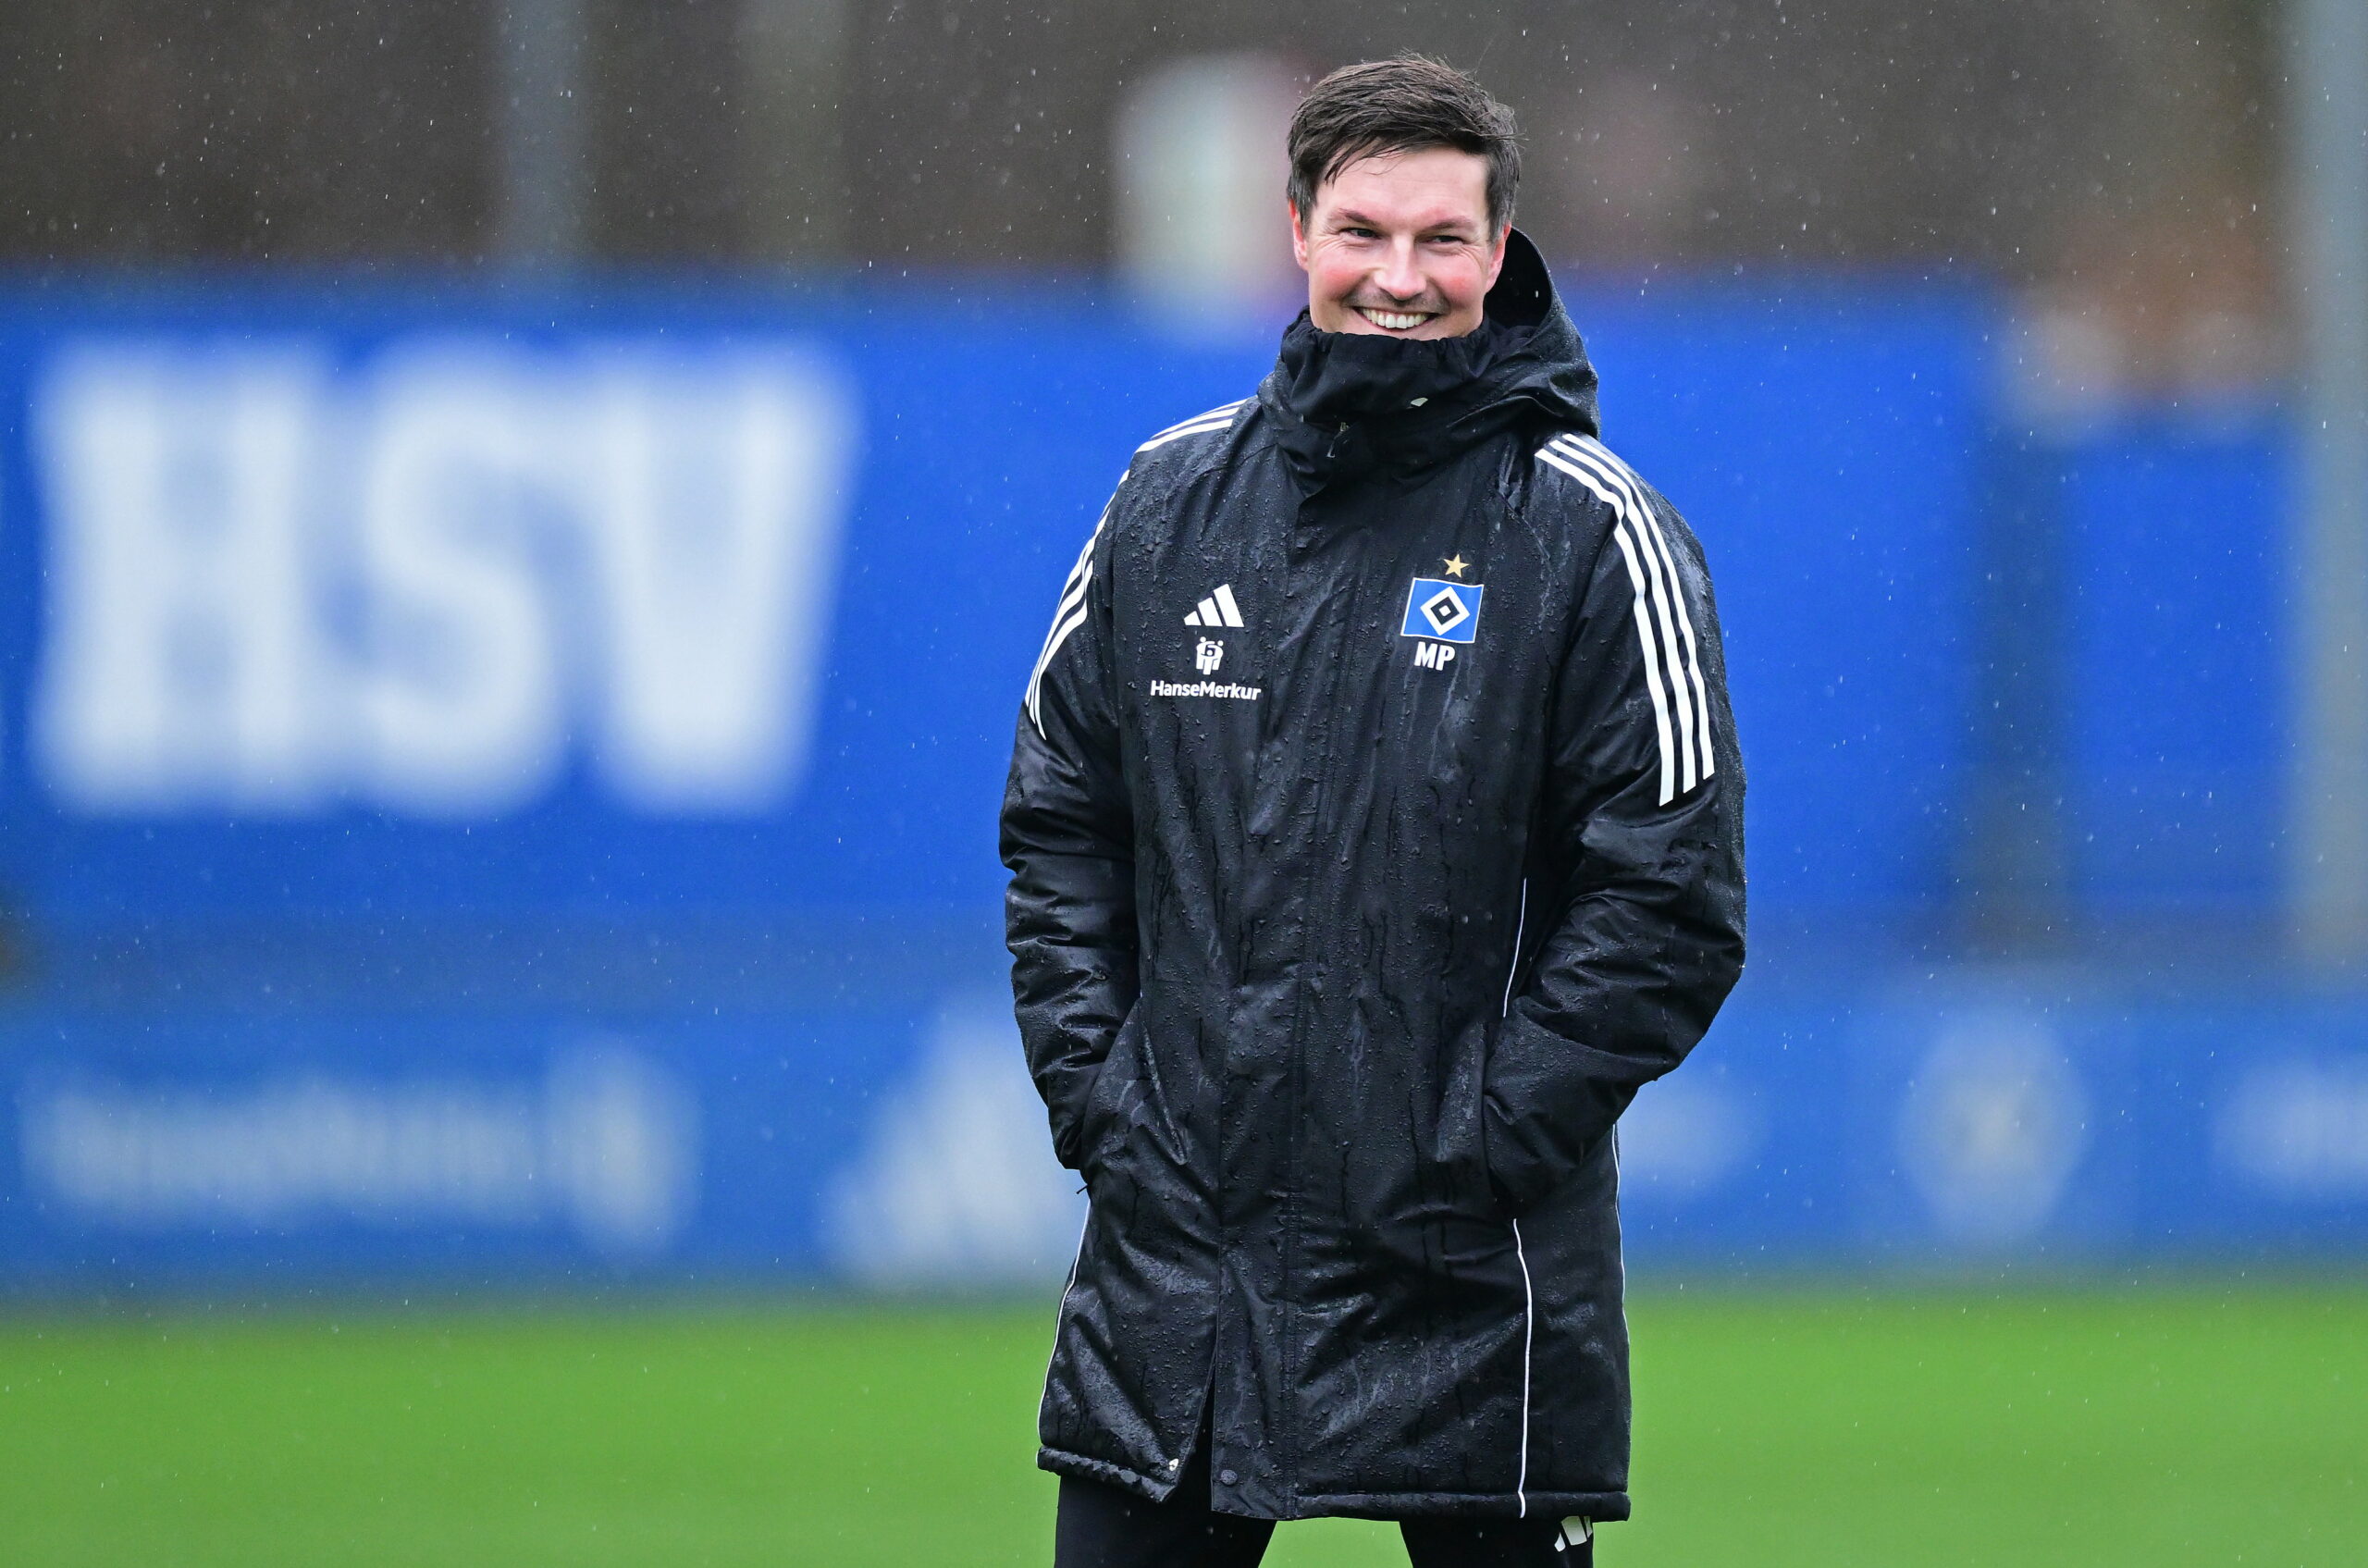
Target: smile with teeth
<point>1391,320</point>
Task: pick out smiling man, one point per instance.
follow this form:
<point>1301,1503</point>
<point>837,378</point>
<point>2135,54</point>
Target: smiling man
<point>1374,823</point>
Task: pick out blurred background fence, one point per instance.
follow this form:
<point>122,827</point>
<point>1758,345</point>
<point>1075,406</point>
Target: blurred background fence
<point>521,529</point>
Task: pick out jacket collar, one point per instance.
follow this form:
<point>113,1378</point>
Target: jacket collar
<point>1352,405</point>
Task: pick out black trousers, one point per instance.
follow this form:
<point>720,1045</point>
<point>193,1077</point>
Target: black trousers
<point>1103,1526</point>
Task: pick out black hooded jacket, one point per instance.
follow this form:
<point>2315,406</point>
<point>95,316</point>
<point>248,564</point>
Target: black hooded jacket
<point>1375,824</point>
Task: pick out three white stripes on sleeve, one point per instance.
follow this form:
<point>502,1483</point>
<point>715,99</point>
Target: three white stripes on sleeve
<point>1066,618</point>
<point>1664,629</point>
<point>1215,419</point>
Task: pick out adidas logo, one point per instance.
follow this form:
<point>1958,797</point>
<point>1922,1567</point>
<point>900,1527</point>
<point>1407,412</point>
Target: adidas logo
<point>1218,609</point>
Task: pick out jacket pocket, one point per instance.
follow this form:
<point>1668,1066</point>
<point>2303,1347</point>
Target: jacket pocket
<point>1513,1181</point>
<point>1464,1145</point>
<point>1109,1107</point>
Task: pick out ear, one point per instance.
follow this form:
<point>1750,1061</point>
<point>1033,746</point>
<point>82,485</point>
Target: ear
<point>1299,234</point>
<point>1496,259</point>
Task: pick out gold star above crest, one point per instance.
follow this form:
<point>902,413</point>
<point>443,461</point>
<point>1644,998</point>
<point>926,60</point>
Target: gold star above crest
<point>1455,565</point>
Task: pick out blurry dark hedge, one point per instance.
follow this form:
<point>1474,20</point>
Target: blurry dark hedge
<point>2028,137</point>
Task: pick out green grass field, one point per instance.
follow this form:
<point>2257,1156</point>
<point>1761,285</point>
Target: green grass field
<point>2202,1424</point>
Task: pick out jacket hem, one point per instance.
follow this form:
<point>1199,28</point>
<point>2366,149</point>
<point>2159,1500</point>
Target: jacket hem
<point>1063,1463</point>
<point>1604,1508</point>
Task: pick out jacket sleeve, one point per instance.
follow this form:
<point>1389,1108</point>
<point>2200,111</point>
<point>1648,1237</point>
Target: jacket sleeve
<point>1067,837</point>
<point>1641,831</point>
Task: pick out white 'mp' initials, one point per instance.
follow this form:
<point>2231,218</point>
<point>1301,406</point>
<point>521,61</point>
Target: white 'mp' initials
<point>1433,655</point>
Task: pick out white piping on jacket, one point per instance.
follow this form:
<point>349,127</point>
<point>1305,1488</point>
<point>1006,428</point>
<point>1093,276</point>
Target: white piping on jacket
<point>1512,971</point>
<point>1061,1312</point>
<point>1528,1304</point>
<point>1528,1329</point>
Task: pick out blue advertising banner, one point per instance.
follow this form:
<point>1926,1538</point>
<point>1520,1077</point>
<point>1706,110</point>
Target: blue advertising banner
<point>901,1145</point>
<point>356,600</point>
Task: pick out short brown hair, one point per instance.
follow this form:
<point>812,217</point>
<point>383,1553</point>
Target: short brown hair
<point>1401,105</point>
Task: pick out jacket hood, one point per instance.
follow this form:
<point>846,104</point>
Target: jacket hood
<point>1351,404</point>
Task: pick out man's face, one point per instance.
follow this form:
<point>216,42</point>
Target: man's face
<point>1398,245</point>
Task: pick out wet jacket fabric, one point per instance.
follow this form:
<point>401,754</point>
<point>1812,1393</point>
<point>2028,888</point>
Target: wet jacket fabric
<point>1375,829</point>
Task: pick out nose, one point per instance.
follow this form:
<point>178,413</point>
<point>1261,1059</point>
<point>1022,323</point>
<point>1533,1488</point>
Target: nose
<point>1397,276</point>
